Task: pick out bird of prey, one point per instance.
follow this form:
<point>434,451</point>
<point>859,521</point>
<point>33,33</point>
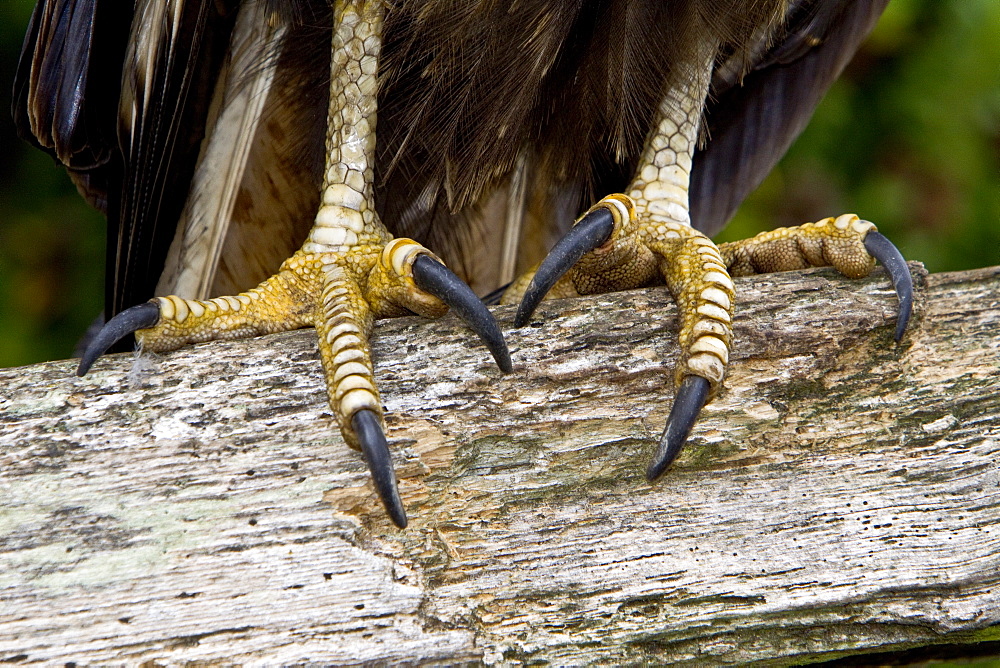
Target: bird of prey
<point>233,146</point>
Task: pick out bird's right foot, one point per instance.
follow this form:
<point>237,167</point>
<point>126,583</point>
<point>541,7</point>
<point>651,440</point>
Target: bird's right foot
<point>349,271</point>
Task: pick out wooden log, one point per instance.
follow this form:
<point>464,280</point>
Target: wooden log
<point>841,495</point>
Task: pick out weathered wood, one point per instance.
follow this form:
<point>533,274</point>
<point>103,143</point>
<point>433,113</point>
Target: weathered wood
<point>842,494</point>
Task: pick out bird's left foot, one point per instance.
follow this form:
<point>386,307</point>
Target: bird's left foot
<point>621,244</point>
<point>846,243</point>
<point>645,238</point>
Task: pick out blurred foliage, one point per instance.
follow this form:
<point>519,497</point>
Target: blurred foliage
<point>908,138</point>
<point>51,241</point>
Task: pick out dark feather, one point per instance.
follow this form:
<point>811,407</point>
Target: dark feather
<point>64,100</point>
<point>752,122</point>
<point>160,134</point>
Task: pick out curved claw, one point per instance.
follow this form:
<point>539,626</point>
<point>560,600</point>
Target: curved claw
<point>690,399</point>
<point>883,250</point>
<point>130,320</point>
<point>591,232</point>
<point>433,277</point>
<point>376,451</point>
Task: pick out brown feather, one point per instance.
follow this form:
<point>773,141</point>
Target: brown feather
<point>574,86</point>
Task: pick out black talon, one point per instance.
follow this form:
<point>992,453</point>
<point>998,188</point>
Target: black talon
<point>433,277</point>
<point>691,396</point>
<point>591,232</point>
<point>376,451</point>
<point>130,320</point>
<point>883,250</point>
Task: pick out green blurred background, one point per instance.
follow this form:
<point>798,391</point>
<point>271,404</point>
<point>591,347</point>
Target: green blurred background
<point>908,138</point>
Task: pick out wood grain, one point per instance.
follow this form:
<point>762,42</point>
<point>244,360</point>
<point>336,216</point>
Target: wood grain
<point>842,494</point>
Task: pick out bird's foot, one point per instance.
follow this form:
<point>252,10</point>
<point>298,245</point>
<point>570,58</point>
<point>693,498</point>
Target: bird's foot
<point>846,243</point>
<point>617,245</point>
<point>340,294</point>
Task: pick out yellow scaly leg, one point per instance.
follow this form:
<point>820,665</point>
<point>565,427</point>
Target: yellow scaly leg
<point>347,273</point>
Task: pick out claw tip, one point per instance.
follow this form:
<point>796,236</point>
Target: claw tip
<point>590,232</point>
<point>433,277</point>
<point>399,519</point>
<point>367,426</point>
<point>691,396</point>
<point>883,250</point>
<point>142,316</point>
<point>503,361</point>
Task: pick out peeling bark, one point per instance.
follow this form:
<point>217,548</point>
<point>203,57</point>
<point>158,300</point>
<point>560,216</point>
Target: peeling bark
<point>841,495</point>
